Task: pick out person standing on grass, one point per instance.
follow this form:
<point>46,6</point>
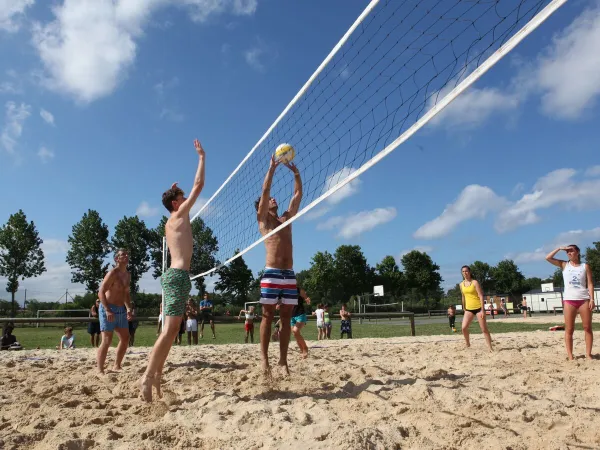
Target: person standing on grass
<point>248,323</point>
<point>346,325</point>
<point>94,327</point>
<point>503,307</point>
<point>133,324</point>
<point>452,317</point>
<point>115,310</point>
<point>523,307</point>
<point>473,306</point>
<point>327,321</point>
<point>175,280</point>
<point>206,314</point>
<point>319,312</point>
<point>191,323</point>
<point>578,296</point>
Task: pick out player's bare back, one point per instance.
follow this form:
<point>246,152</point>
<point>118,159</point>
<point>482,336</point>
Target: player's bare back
<point>179,239</point>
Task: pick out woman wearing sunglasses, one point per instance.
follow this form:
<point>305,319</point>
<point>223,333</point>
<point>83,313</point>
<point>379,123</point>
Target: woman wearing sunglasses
<point>578,296</point>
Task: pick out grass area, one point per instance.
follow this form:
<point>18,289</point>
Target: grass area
<point>49,337</point>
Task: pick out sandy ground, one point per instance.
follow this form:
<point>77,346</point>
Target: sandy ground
<point>413,393</point>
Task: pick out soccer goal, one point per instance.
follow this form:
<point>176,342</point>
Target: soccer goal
<point>399,65</point>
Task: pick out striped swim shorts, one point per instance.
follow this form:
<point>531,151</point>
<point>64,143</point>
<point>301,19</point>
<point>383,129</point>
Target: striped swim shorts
<point>278,286</point>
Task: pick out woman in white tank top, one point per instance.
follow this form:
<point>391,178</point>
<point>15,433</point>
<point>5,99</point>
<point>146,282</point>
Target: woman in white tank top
<point>578,296</point>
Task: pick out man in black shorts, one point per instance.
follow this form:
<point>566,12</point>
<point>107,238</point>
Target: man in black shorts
<point>94,327</point>
<point>206,315</point>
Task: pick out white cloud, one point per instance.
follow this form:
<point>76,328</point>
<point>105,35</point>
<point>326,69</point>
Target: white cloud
<point>202,9</point>
<point>11,12</point>
<point>47,116</point>
<point>346,191</point>
<point>90,45</point>
<point>558,188</point>
<point>45,155</point>
<point>252,57</point>
<point>593,171</point>
<point>6,87</point>
<point>162,86</point>
<point>518,189</point>
<point>13,126</point>
<point>577,237</point>
<point>474,202</point>
<point>356,224</point>
<point>145,210</point>
<point>567,73</point>
<point>171,115</point>
<point>200,202</point>
<point>419,248</point>
<point>54,246</point>
<point>473,107</point>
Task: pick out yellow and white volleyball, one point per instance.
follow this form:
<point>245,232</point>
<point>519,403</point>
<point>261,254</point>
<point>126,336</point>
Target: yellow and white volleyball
<point>285,153</point>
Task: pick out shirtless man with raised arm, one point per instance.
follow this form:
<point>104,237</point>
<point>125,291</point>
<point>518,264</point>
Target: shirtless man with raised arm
<point>278,283</point>
<point>176,279</point>
<point>115,310</point>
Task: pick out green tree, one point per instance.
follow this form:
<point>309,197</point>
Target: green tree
<point>88,251</point>
<point>482,272</point>
<point>454,296</point>
<point>206,247</point>
<point>532,283</point>
<point>507,277</point>
<point>389,275</point>
<point>235,280</point>
<point>352,273</point>
<point>21,255</point>
<point>422,275</point>
<point>320,282</point>
<point>132,234</point>
<point>592,257</point>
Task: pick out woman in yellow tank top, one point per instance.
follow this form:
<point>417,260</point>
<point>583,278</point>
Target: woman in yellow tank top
<point>472,302</point>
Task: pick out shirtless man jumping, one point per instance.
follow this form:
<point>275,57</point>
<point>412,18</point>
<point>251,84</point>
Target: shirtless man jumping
<point>278,283</point>
<point>115,310</point>
<point>176,279</point>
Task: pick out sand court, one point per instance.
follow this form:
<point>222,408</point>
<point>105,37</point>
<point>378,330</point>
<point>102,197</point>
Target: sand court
<point>410,392</point>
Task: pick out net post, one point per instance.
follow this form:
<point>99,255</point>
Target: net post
<point>38,316</point>
<point>412,325</point>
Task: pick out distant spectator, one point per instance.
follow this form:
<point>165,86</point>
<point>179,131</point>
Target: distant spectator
<point>67,342</point>
<point>503,306</point>
<point>452,317</point>
<point>133,324</point>
<point>94,327</point>
<point>8,339</point>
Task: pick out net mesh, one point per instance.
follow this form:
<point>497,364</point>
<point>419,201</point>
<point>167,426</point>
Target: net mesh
<point>397,64</point>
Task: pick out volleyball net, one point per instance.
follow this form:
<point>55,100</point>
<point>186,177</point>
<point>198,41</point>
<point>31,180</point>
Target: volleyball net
<point>399,64</point>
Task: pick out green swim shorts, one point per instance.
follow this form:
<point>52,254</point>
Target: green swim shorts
<point>176,285</point>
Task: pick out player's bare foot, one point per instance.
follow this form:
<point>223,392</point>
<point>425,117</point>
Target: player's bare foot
<point>146,384</point>
<point>305,355</point>
<point>284,368</point>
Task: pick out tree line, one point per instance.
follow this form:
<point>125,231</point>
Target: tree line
<point>331,278</point>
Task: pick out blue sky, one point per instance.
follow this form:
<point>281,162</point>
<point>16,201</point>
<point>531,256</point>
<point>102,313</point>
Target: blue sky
<point>100,103</point>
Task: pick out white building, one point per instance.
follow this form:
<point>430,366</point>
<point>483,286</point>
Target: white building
<point>548,297</point>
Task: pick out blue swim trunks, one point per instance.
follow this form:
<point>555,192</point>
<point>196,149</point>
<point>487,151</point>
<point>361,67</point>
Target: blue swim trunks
<point>120,321</point>
<point>299,319</point>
